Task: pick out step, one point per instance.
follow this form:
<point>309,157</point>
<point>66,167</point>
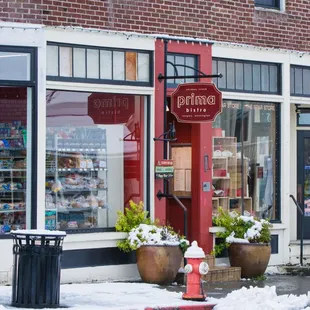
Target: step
<point>223,274</point>
<point>215,274</point>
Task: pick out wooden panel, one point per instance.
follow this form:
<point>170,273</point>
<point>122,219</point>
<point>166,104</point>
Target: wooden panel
<point>131,66</point>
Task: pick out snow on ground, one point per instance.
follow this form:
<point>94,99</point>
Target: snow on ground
<point>137,296</point>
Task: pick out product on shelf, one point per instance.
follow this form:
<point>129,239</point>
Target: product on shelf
<point>76,184</point>
<point>227,177</point>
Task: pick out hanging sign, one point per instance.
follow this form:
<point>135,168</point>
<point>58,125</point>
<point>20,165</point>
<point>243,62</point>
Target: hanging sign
<point>111,108</point>
<point>196,102</point>
<point>164,169</point>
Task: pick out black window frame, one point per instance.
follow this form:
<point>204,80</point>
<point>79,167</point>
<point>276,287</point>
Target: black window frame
<point>293,80</point>
<point>277,185</point>
<point>251,65</point>
<point>172,83</point>
<point>272,4</point>
<point>98,80</point>
<point>31,83</point>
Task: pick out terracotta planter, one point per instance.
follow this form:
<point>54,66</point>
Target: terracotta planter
<point>158,264</point>
<point>253,258</point>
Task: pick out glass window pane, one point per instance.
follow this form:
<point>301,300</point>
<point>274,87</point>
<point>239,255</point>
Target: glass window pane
<point>190,61</point>
<point>15,154</point>
<point>143,67</point>
<point>256,77</point>
<point>222,69</point>
<point>105,65</point>
<point>239,76</point>
<point>230,75</point>
<point>248,81</point>
<point>94,157</point>
<point>292,80</point>
<point>181,72</point>
<point>170,68</point>
<point>265,78</point>
<point>118,66</point>
<point>214,71</point>
<point>131,66</point>
<point>306,82</point>
<point>65,61</point>
<point>79,65</point>
<point>273,70</point>
<point>14,66</point>
<point>257,180</point>
<point>298,81</point>
<point>52,60</point>
<point>92,63</point>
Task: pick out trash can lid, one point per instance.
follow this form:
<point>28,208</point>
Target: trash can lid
<point>38,232</point>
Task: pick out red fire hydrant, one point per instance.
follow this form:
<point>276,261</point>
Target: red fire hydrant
<point>194,269</point>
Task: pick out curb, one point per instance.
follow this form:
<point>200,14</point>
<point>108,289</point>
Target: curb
<point>188,307</point>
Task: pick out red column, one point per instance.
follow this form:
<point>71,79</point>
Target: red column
<point>201,147</point>
<point>201,201</point>
<point>160,205</point>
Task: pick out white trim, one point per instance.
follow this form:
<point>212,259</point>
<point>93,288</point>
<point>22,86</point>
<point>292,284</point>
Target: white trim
<point>300,100</point>
<point>108,88</point>
<point>252,97</point>
<point>20,25</point>
<point>99,38</point>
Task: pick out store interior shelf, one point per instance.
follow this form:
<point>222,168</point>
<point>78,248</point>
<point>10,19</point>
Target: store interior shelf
<point>76,177</point>
<point>65,210</point>
<point>12,211</point>
<point>78,170</point>
<point>12,170</point>
<point>13,191</point>
<point>76,150</point>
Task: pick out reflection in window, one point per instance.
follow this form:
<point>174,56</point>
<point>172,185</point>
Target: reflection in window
<point>249,181</point>
<point>94,157</point>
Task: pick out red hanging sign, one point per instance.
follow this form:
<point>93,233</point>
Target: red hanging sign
<point>196,102</point>
<point>111,108</point>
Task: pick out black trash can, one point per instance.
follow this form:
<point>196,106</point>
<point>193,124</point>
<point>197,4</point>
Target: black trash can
<point>36,270</point>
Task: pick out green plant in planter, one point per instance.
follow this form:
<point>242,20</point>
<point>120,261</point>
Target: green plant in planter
<point>133,216</point>
<point>143,231</point>
<point>241,229</point>
<point>155,235</point>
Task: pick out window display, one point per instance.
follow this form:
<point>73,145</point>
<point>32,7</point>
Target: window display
<point>14,181</point>
<point>248,130</point>
<point>94,158</point>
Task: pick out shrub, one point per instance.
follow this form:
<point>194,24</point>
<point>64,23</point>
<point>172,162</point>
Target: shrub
<point>142,231</point>
<point>241,229</point>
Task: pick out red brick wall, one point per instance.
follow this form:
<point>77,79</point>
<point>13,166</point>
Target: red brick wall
<point>224,20</point>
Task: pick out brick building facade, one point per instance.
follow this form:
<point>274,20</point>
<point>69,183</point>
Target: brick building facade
<point>220,20</point>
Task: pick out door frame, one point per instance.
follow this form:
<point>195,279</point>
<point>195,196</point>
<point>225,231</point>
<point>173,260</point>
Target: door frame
<point>301,135</point>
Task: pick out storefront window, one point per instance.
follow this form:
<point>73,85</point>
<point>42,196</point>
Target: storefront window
<point>15,172</point>
<point>94,158</point>
<point>248,183</point>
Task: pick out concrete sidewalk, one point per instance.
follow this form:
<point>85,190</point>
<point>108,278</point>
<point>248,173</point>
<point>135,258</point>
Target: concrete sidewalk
<point>285,284</point>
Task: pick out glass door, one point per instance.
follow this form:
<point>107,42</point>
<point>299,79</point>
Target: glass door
<point>303,180</point>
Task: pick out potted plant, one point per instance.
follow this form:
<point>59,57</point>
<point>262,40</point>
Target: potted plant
<point>159,249</point>
<point>247,239</point>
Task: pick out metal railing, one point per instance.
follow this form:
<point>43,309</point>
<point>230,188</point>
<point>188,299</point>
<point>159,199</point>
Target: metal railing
<point>302,216</point>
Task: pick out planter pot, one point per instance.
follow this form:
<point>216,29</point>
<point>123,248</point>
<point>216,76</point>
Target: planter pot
<point>158,264</point>
<point>253,258</point>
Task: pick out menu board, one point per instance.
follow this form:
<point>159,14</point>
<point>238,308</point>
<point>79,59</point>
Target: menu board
<point>180,185</point>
